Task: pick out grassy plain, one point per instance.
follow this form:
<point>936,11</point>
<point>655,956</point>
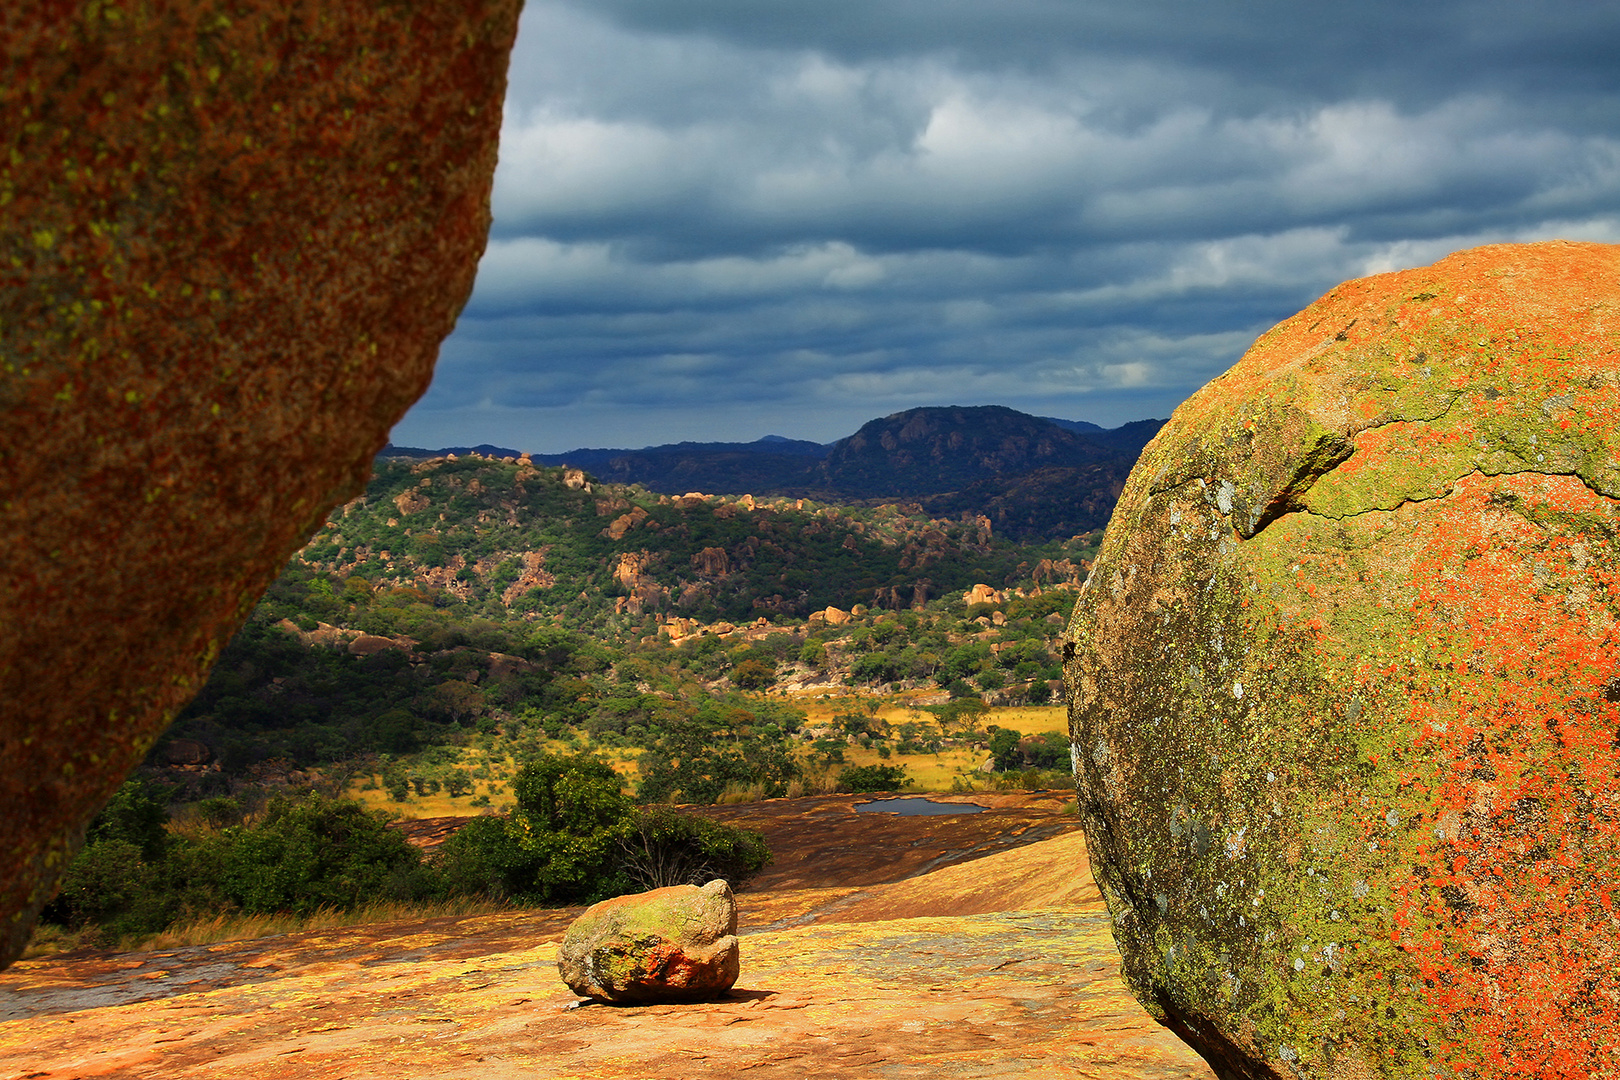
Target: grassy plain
<point>956,764</point>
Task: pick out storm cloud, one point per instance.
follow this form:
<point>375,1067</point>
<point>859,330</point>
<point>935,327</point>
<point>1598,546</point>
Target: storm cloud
<point>718,219</point>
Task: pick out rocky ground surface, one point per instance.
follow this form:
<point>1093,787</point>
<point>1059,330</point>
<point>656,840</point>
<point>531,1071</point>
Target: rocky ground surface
<point>969,945</point>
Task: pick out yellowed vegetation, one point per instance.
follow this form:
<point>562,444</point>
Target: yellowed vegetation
<point>952,767</point>
<point>48,940</point>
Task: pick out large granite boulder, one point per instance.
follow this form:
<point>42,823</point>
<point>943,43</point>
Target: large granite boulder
<point>1345,685</point>
<point>234,236</point>
<point>673,944</point>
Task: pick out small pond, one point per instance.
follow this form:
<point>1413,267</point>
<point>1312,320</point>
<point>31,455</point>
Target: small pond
<point>915,806</point>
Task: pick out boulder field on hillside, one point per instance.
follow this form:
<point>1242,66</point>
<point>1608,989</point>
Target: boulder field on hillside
<point>1345,685</point>
<point>235,234</point>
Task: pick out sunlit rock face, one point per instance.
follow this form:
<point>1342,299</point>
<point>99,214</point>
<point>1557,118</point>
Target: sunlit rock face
<point>672,944</point>
<point>1345,684</point>
<point>234,236</point>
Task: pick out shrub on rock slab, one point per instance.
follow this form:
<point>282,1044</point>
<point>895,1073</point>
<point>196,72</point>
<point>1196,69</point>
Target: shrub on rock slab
<point>865,778</point>
<point>667,847</point>
<point>1345,682</point>
<point>575,836</point>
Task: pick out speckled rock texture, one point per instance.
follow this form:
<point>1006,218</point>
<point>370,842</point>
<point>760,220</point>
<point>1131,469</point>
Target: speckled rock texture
<point>234,233</point>
<point>674,944</point>
<point>874,949</point>
<point>1346,685</point>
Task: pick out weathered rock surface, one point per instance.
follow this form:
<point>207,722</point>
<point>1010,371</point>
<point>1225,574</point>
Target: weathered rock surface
<point>672,944</point>
<point>235,234</point>
<point>1029,989</point>
<point>1346,685</point>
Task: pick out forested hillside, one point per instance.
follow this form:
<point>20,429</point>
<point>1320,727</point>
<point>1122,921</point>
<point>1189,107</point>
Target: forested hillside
<point>508,537</point>
<point>467,611</point>
<point>474,625</point>
<point>1034,478</point>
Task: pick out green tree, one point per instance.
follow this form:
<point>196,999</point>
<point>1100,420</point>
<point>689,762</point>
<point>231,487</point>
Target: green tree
<point>111,885</point>
<point>1004,749</point>
<point>694,759</point>
<point>312,851</point>
<point>862,778</point>
<point>114,880</point>
<point>668,847</point>
<point>561,843</point>
<point>753,674</point>
<point>138,814</point>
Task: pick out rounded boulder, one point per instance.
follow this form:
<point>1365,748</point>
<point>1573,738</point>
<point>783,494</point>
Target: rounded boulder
<point>1345,684</point>
<point>673,944</point>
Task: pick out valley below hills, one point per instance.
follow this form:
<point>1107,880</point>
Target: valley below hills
<point>764,659</point>
<point>469,609</point>
<point>473,613</point>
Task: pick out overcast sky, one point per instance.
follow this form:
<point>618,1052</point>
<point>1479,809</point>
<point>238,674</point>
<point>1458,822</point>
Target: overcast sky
<point>721,219</point>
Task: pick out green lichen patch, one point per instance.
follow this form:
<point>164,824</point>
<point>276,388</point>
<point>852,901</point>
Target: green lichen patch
<point>1343,686</point>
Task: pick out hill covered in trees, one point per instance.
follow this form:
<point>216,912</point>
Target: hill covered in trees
<point>471,615</point>
<point>1034,478</point>
<point>468,611</point>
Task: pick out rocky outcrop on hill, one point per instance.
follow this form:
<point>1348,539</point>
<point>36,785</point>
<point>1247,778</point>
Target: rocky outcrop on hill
<point>533,575</point>
<point>1031,476</point>
<point>1344,690</point>
<point>235,235</point>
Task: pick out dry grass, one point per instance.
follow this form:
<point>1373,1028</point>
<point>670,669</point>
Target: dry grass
<point>741,793</point>
<point>1031,719</point>
<point>50,940</point>
<point>429,806</point>
<point>945,771</point>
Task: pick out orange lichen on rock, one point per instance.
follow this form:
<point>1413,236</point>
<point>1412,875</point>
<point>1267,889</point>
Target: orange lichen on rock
<point>672,944</point>
<point>1030,989</point>
<point>1346,684</point>
<point>235,234</point>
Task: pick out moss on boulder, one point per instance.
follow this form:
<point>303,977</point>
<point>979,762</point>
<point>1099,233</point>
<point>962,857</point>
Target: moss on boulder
<point>673,944</point>
<point>235,232</point>
<point>1345,684</point>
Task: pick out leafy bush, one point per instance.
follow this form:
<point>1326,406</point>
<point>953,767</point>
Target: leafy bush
<point>876,667</point>
<point>312,851</point>
<point>138,814</point>
<point>575,837</point>
<point>861,778</point>
<point>753,675</point>
<point>666,847</point>
<point>111,885</point>
<point>1004,749</point>
<point>486,857</point>
<point>1048,750</point>
<point>561,842</point>
<point>1051,752</point>
<point>724,743</point>
<point>964,711</point>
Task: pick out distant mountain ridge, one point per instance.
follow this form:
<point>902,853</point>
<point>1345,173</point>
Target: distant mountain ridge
<point>1031,476</point>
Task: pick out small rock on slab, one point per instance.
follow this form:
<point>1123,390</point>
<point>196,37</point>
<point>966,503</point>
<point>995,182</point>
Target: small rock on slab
<point>674,944</point>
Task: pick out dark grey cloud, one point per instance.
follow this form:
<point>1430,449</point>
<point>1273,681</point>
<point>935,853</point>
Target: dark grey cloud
<point>723,219</point>
<point>1283,49</point>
